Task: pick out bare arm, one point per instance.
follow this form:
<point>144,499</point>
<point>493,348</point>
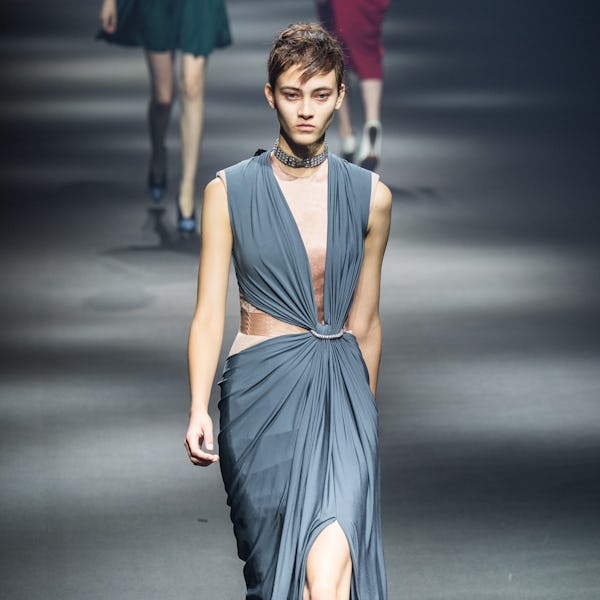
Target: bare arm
<point>206,331</point>
<point>363,319</point>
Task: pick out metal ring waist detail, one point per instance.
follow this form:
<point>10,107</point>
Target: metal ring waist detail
<point>328,336</point>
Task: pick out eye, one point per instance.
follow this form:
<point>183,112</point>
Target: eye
<point>291,95</point>
<point>323,96</point>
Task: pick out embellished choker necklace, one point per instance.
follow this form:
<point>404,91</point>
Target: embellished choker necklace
<point>296,163</point>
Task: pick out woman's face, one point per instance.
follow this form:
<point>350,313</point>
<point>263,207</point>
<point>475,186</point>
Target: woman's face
<point>305,110</point>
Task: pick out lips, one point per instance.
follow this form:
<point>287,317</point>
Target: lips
<point>305,127</point>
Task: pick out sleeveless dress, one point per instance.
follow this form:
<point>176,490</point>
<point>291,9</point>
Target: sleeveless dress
<point>193,26</point>
<point>298,434</point>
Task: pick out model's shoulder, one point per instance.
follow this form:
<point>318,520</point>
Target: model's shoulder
<point>215,192</point>
<point>245,164</point>
<point>382,199</point>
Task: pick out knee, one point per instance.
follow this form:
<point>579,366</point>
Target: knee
<point>191,83</point>
<point>163,96</point>
<point>192,88</point>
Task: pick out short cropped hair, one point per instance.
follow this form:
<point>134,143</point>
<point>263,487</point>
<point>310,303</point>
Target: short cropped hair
<point>308,46</point>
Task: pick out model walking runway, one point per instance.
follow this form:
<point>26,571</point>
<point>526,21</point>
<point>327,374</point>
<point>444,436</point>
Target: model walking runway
<point>489,436</point>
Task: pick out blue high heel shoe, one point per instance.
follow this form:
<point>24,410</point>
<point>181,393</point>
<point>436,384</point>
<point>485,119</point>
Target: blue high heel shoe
<point>157,186</point>
<point>186,224</point>
<point>156,189</point>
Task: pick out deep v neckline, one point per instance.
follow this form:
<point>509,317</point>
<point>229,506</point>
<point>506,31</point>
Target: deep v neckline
<point>296,229</point>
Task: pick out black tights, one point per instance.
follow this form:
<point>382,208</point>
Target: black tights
<point>158,122</point>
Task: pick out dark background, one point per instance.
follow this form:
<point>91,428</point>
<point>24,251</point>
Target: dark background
<point>490,388</point>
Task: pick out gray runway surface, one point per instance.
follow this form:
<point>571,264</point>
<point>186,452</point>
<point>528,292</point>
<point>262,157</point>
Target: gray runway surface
<point>490,386</point>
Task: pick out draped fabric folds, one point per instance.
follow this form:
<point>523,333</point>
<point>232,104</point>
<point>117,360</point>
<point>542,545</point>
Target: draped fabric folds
<point>298,423</point>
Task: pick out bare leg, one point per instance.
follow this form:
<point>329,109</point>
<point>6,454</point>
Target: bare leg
<point>371,93</point>
<point>192,114</point>
<point>345,125</point>
<point>369,152</point>
<point>161,73</point>
<point>328,566</point>
<point>347,140</point>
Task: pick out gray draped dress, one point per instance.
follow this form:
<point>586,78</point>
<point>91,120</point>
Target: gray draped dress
<point>298,434</point>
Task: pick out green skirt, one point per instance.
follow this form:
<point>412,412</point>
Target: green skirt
<point>192,26</point>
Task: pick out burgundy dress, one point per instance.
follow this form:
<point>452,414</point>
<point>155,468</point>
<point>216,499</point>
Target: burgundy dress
<point>357,25</point>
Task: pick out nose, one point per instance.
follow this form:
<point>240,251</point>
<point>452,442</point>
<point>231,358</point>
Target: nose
<point>305,110</point>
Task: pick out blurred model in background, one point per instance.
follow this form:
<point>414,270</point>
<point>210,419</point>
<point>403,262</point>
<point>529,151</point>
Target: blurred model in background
<point>357,24</point>
<point>161,27</point>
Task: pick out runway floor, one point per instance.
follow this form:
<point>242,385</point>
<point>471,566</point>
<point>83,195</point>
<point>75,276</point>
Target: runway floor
<point>490,386</point>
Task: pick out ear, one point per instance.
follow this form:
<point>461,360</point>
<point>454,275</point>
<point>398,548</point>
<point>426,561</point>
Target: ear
<point>341,95</point>
<point>269,95</point>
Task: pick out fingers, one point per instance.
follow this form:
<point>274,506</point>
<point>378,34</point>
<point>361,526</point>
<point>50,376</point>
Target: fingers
<point>208,436</point>
<point>201,458</point>
<point>193,445</point>
<point>110,23</point>
<point>108,19</point>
